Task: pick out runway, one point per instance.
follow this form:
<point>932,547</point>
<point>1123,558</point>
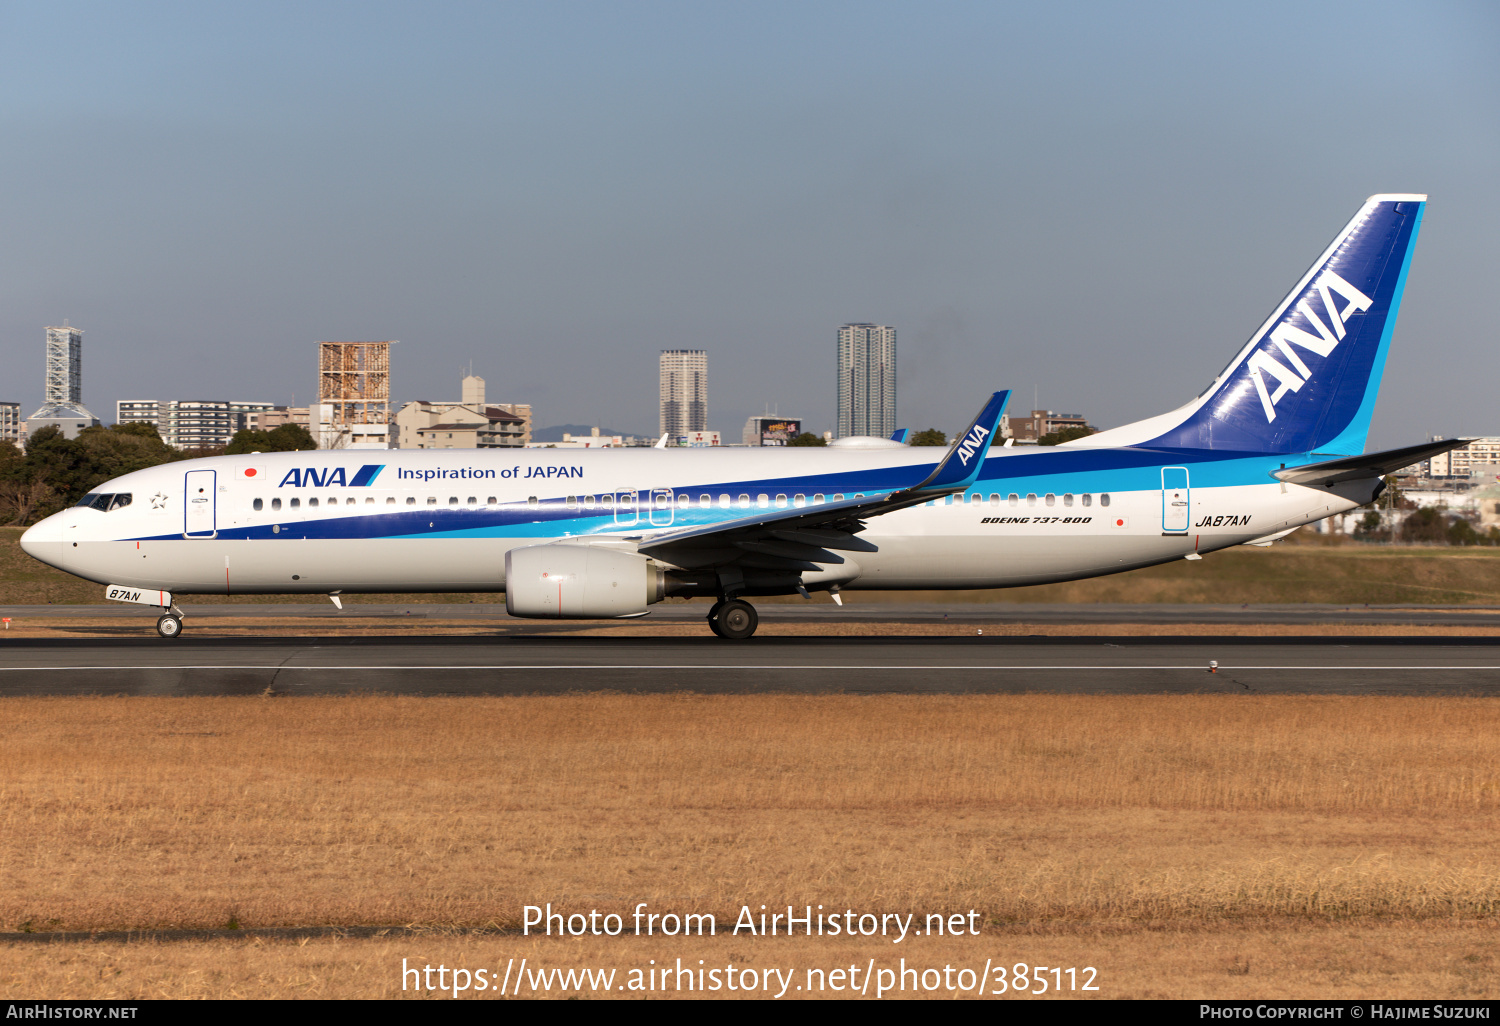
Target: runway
<point>559,664</point>
<point>856,610</point>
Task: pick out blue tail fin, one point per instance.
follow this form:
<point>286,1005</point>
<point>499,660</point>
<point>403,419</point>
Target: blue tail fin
<point>1307,380</point>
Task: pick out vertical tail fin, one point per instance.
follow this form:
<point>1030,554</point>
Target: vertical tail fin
<point>1307,379</point>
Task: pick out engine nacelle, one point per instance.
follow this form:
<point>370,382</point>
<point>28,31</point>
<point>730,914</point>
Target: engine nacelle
<point>583,582</point>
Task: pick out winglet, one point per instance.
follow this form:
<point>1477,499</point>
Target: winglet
<point>960,468</point>
<point>901,435</point>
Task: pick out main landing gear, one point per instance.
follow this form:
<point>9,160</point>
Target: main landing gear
<point>169,626</point>
<point>734,619</point>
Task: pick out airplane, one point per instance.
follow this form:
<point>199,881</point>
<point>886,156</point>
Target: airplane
<point>1275,442</point>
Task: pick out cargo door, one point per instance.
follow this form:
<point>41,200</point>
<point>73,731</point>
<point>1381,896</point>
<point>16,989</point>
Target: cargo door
<point>1176,509</point>
<point>199,500</point>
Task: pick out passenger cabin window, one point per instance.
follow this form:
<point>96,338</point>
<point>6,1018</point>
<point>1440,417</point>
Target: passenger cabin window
<point>762,500</point>
<point>474,501</point>
<point>684,501</point>
<point>453,501</point>
<point>1088,500</point>
<point>975,499</point>
<point>1104,499</point>
<point>531,501</point>
<point>1068,499</point>
<point>744,501</point>
<point>258,505</point>
<point>781,502</point>
<point>994,498</point>
<point>1031,498</point>
<point>606,501</point>
<point>799,500</point>
<point>369,500</point>
<point>275,503</point>
<point>723,501</point>
<point>432,500</point>
<point>839,497</point>
<point>572,500</point>
<point>411,500</point>
<point>588,501</point>
<point>705,501</point>
<point>492,501</point>
<point>311,503</point>
<point>1051,499</point>
<point>390,500</point>
<point>1014,499</point>
<point>298,502</point>
<point>818,499</point>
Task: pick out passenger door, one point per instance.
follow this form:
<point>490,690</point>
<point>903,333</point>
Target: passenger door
<point>1176,508</point>
<point>199,502</point>
<point>661,507</point>
<point>625,511</point>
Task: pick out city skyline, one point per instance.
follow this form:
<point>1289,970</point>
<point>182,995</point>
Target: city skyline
<point>1095,202</point>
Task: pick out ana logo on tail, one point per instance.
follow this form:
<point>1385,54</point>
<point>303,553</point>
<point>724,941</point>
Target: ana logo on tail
<point>971,443</point>
<point>1285,335</point>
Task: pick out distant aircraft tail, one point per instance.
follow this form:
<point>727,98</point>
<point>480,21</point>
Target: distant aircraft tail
<point>1307,380</point>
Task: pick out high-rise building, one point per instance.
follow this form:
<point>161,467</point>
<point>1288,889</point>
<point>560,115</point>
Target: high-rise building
<point>10,423</point>
<point>354,396</point>
<point>867,380</point>
<point>193,423</point>
<point>63,387</point>
<point>684,392</point>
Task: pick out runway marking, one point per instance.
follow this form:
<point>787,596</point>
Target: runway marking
<point>720,666</point>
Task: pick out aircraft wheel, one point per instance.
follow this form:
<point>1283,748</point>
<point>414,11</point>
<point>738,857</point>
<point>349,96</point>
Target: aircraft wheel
<point>737,620</point>
<point>169,626</point>
<point>713,618</point>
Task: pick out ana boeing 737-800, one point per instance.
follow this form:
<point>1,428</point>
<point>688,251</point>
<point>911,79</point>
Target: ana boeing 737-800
<point>1275,442</point>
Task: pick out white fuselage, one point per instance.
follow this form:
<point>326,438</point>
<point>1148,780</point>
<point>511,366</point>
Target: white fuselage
<point>431,521</point>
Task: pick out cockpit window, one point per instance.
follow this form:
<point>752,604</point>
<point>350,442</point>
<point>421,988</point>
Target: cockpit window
<point>105,501</point>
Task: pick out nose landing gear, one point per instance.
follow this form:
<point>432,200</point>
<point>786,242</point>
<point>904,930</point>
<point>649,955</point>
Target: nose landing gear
<point>734,619</point>
<point>169,625</point>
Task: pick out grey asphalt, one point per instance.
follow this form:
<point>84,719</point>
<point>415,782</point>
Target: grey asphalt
<point>855,610</point>
<point>558,664</point>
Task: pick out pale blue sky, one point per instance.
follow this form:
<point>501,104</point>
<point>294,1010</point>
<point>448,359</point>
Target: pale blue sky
<point>1100,201</point>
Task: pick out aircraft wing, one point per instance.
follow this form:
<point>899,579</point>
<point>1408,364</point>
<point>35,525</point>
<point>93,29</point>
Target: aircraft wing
<point>799,538</point>
<point>1374,464</point>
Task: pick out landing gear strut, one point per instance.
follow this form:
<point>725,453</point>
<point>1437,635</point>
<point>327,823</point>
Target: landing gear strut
<point>734,619</point>
<point>169,626</point>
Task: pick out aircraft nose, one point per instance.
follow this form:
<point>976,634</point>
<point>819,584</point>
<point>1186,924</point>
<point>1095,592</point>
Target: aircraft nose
<point>44,541</point>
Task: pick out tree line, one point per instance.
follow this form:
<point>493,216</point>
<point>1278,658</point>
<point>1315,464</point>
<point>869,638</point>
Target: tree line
<point>55,471</point>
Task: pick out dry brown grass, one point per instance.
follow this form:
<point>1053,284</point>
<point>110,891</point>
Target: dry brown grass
<point>173,812</point>
<point>1431,960</point>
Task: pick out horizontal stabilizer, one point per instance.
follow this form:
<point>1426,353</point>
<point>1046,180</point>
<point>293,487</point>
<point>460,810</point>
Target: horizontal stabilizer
<point>1374,464</point>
